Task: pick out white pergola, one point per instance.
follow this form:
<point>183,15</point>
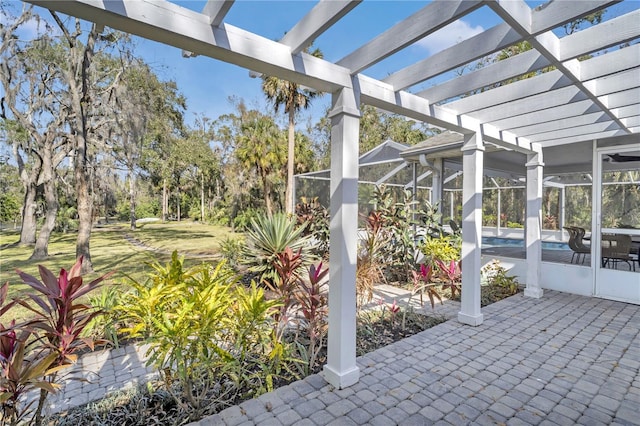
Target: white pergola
<point>563,111</point>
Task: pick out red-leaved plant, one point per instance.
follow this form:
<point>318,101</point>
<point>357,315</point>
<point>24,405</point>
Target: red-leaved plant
<point>422,284</point>
<point>287,265</point>
<point>33,353</point>
<point>313,305</point>
<point>453,273</point>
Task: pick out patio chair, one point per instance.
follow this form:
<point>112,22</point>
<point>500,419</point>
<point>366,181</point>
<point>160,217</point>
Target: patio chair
<point>576,245</point>
<point>616,248</point>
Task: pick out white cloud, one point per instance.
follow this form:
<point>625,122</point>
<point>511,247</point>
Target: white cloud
<point>452,34</point>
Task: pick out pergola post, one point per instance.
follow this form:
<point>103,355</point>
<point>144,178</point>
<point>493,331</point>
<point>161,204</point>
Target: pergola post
<point>472,165</point>
<point>533,226</point>
<point>341,370</point>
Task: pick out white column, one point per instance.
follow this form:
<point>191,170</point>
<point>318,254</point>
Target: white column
<point>437,182</point>
<point>452,210</point>
<point>533,226</point>
<point>499,210</point>
<point>561,205</point>
<point>341,370</point>
<point>472,164</point>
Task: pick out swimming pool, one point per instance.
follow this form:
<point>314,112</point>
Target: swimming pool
<point>488,242</point>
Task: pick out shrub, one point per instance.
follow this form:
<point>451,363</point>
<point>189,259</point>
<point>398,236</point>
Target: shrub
<point>314,217</point>
<point>267,238</point>
<point>231,248</point>
<point>243,219</point>
<point>32,354</point>
<point>105,326</point>
<point>211,339</point>
<point>444,248</point>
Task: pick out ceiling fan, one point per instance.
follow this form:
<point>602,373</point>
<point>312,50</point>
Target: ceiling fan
<point>618,158</point>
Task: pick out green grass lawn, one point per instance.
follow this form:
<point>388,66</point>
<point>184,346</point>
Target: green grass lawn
<point>112,251</point>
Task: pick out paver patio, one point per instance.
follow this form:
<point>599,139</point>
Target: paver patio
<point>559,360</point>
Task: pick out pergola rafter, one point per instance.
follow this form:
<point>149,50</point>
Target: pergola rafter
<point>323,15</point>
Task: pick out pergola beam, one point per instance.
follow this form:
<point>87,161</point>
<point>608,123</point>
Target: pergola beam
<point>564,123</point>
<point>610,33</point>
<point>519,90</point>
<point>323,15</point>
<point>491,74</point>
<point>575,131</point>
<point>550,46</point>
<point>475,47</point>
<point>582,138</point>
<point>379,94</point>
<point>177,26</point>
<point>530,118</point>
<point>429,19</point>
<point>216,10</point>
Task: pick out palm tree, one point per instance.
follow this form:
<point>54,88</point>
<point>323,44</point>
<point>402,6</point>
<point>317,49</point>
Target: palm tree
<point>292,97</point>
<point>260,148</point>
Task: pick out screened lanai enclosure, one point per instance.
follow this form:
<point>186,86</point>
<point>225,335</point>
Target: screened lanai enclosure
<point>550,98</point>
<point>566,197</point>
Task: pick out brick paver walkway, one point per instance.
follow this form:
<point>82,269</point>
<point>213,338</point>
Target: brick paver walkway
<point>559,360</point>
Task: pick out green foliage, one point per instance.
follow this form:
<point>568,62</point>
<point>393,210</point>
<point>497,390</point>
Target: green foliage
<point>314,217</point>
<point>268,237</point>
<point>211,338</point>
<point>396,220</point>
<point>10,206</point>
<point>495,274</point>
<point>231,248</point>
<point>105,326</point>
<point>442,248</point>
<point>67,219</point>
<point>243,220</point>
<point>514,225</point>
<point>489,220</point>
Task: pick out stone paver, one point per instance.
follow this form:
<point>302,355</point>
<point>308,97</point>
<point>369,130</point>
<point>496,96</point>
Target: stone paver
<point>559,360</point>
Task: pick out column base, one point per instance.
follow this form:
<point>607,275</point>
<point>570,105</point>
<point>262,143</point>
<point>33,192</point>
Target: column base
<point>536,293</point>
<point>341,380</point>
<point>474,320</point>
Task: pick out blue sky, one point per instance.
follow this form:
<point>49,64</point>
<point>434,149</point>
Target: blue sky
<point>208,83</point>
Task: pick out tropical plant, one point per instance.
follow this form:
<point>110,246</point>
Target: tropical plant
<point>292,97</point>
<point>315,218</point>
<point>105,326</point>
<point>314,308</point>
<point>443,248</point>
<point>267,238</point>
<point>230,249</point>
<point>368,269</point>
<point>287,265</point>
<point>211,339</point>
<point>397,219</point>
<point>453,273</point>
<point>495,274</point>
<point>34,353</point>
<point>422,283</point>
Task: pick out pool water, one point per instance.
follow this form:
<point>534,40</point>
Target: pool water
<point>488,242</point>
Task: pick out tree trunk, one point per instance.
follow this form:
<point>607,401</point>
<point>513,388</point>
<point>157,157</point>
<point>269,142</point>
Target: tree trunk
<point>267,192</point>
<point>288,196</point>
<point>165,201</point>
<point>202,197</point>
<point>178,204</point>
<point>85,214</point>
<point>28,231</point>
<point>132,200</point>
<point>41,251</point>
